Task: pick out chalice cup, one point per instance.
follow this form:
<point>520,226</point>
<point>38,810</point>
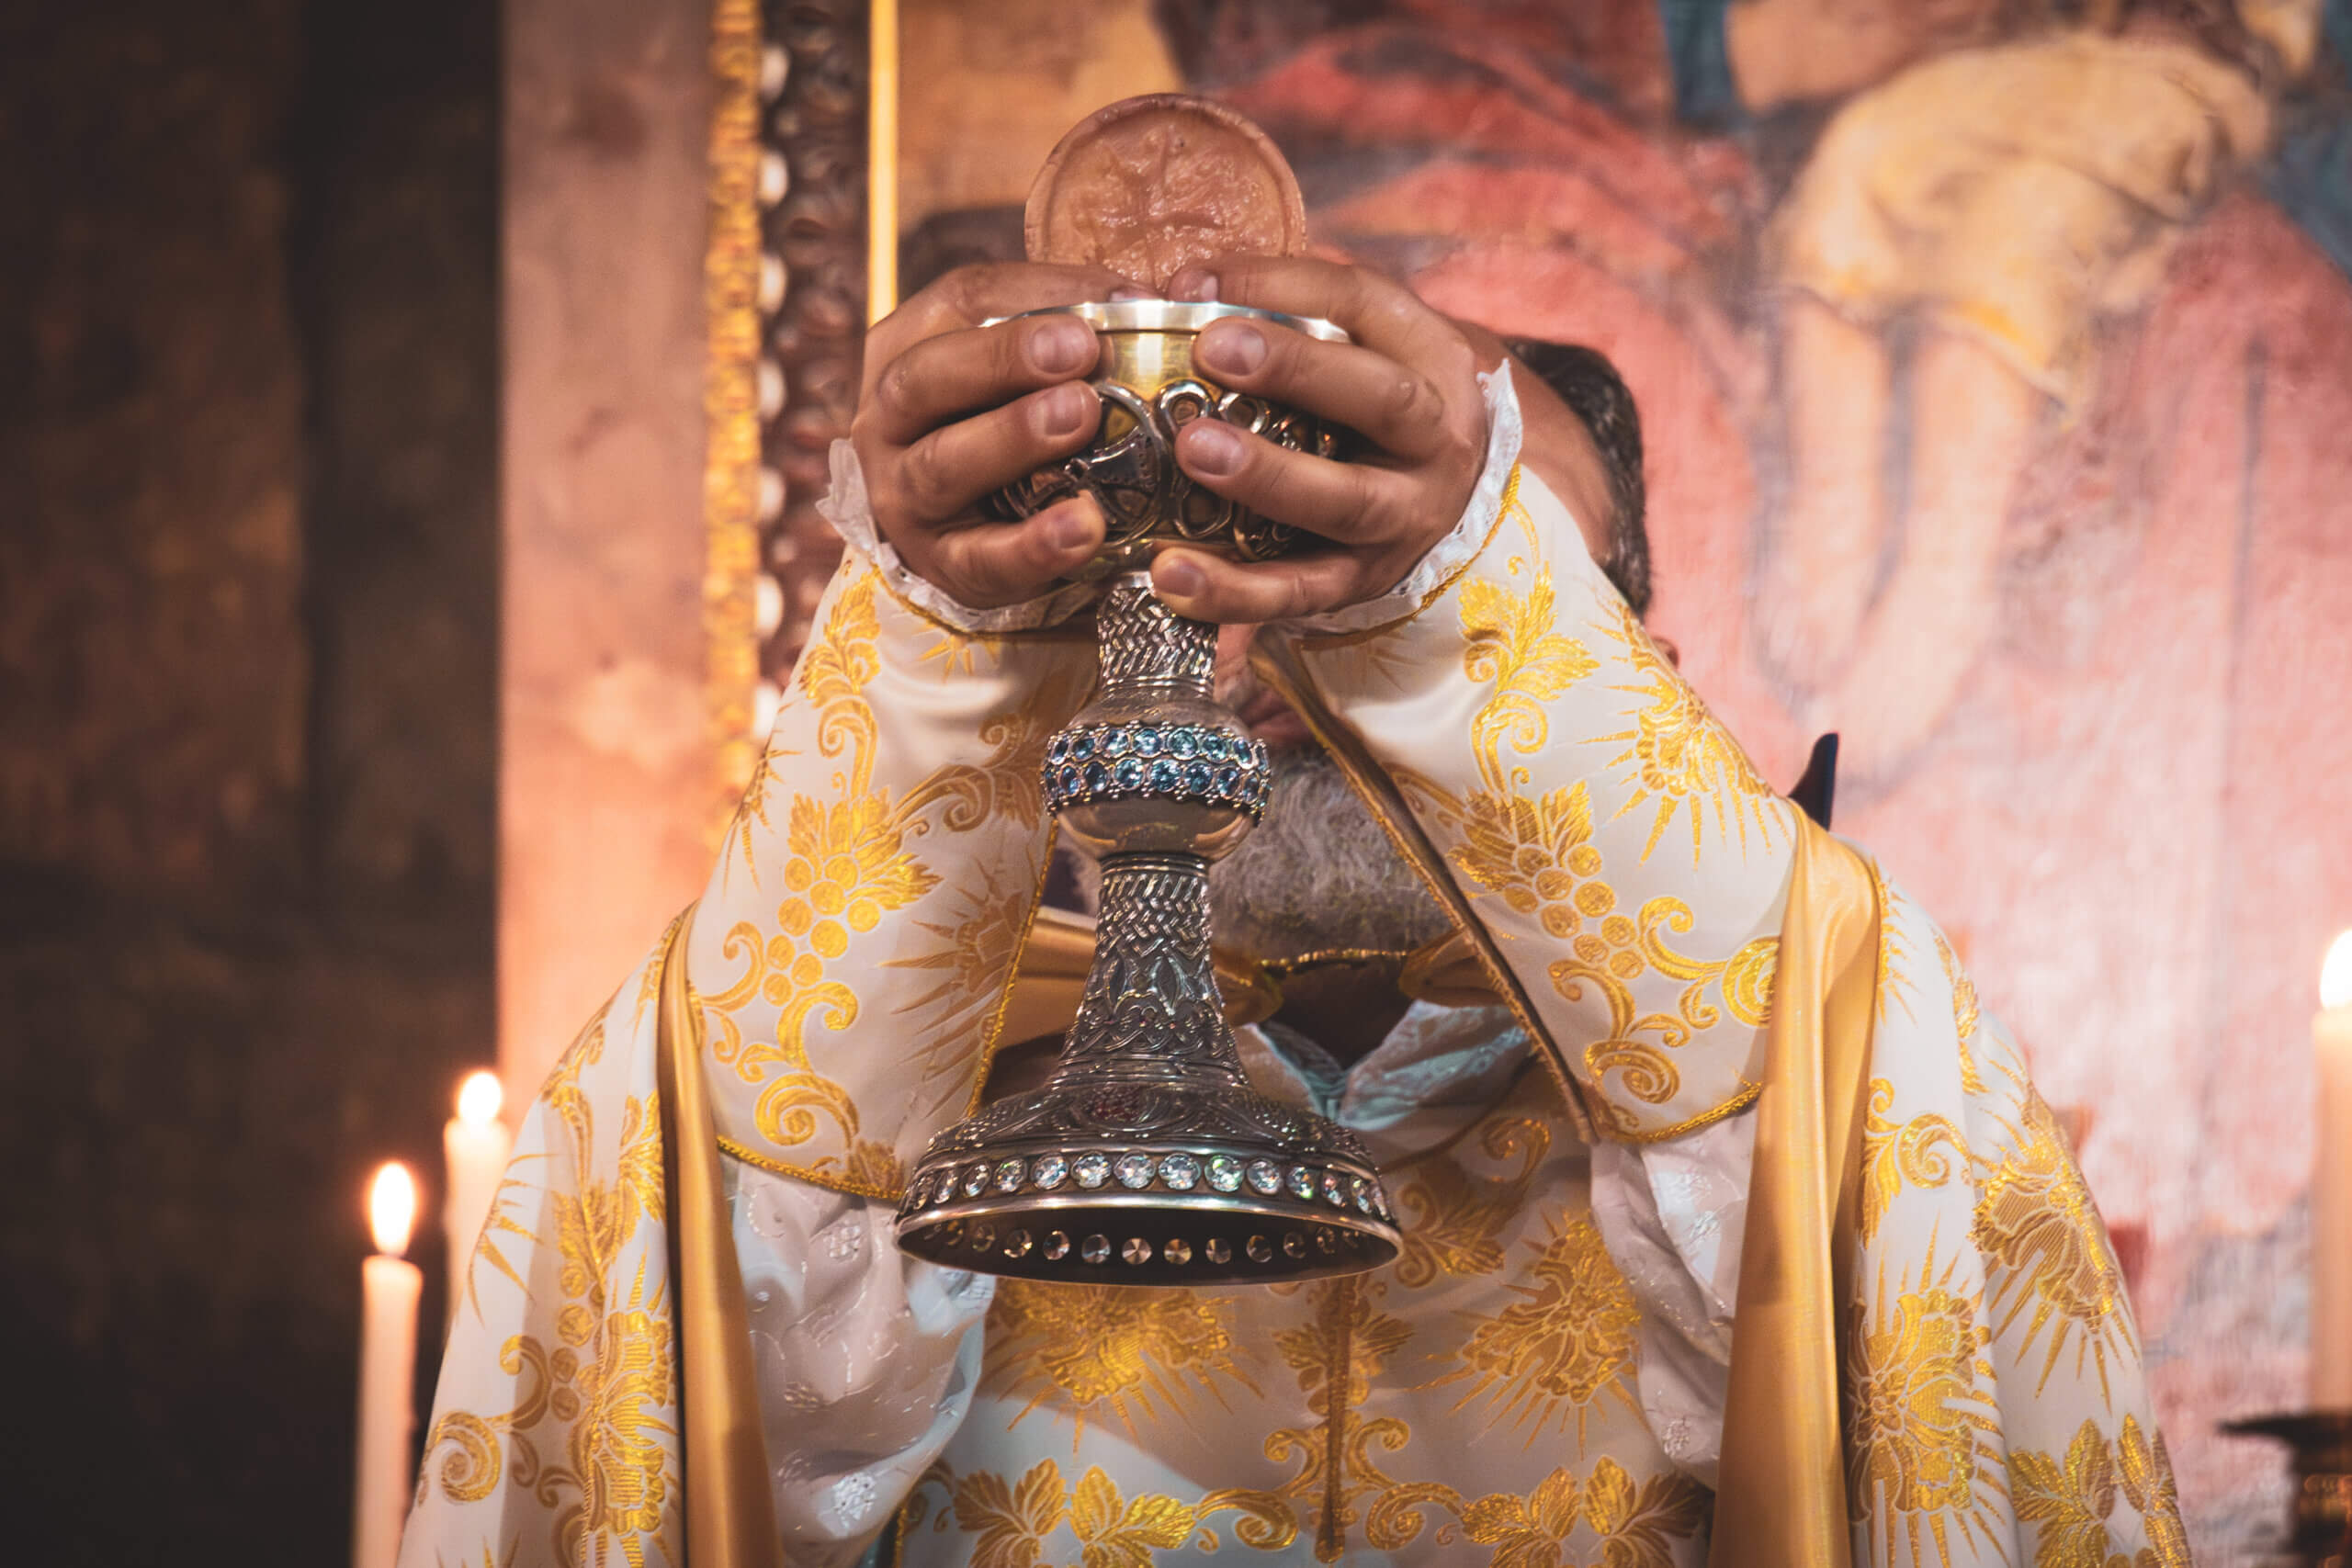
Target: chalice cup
<point>1146,1159</point>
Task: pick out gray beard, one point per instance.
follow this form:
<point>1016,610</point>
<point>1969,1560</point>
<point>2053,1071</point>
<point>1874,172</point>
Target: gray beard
<point>1319,872</point>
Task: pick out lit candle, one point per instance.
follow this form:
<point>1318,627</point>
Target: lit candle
<point>390,1286</point>
<point>476,1143</point>
<point>2331,1186</point>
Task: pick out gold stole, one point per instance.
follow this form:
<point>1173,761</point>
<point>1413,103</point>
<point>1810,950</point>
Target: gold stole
<point>1781,1502</point>
<point>731,1514</point>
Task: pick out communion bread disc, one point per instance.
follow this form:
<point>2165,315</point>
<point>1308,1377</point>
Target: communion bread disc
<point>1151,186</point>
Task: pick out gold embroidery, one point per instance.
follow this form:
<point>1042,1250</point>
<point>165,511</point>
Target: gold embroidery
<point>1920,1433</point>
<point>1337,1353</point>
<point>1964,1013</point>
<point>2075,1503</point>
<point>610,1378</point>
<point>1544,1359</point>
<point>1635,1523</point>
<point>2045,1248</point>
<point>1095,1348</point>
<point>1680,753</point>
<point>2145,1469</point>
<point>1892,981</point>
<point>1453,1219</point>
<point>1537,853</point>
<point>1114,1530</point>
<point>1894,1154</point>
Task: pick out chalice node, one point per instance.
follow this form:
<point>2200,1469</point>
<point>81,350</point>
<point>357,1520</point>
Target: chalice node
<point>1147,1158</point>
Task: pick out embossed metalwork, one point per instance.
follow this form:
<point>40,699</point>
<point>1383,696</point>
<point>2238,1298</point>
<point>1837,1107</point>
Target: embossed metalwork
<point>1148,1144</point>
<point>1150,392</point>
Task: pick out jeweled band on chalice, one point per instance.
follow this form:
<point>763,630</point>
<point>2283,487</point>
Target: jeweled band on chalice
<point>1147,1158</point>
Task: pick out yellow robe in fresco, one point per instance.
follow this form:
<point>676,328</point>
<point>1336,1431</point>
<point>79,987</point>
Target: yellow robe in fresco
<point>1933,1362</point>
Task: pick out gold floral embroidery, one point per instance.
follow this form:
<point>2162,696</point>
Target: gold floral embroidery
<point>1896,1153</point>
<point>1122,1350</point>
<point>1964,1013</point>
<point>1114,1530</point>
<point>1633,1524</point>
<point>1893,984</point>
<point>1680,754</point>
<point>1537,853</point>
<point>1920,1433</point>
<point>1343,1344</point>
<point>1544,1359</point>
<point>2074,1502</point>
<point>1452,1220</point>
<point>609,1379</point>
<point>2045,1248</point>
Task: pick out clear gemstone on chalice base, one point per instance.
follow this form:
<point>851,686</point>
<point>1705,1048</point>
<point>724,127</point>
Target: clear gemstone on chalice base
<point>1091,1170</point>
<point>1225,1173</point>
<point>1180,1171</point>
<point>1134,1170</point>
<point>1050,1171</point>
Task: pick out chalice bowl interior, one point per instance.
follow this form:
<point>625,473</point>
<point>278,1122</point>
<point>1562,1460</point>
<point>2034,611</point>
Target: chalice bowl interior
<point>1147,1158</point>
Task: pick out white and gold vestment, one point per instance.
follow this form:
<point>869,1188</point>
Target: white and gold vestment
<point>1719,1177</point>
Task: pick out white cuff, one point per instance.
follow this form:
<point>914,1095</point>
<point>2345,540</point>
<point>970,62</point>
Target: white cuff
<point>845,506</point>
<point>1445,558</point>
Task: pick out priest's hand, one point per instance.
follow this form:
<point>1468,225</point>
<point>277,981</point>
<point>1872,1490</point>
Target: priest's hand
<point>951,410</point>
<point>1408,384</point>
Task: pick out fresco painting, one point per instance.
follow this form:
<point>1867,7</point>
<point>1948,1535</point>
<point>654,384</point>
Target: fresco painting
<point>1995,361</point>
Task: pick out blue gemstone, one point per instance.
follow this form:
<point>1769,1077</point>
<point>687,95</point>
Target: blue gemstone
<point>1058,750</point>
<point>1163,777</point>
<point>1257,752</point>
<point>1095,777</point>
<point>1147,741</point>
<point>1228,780</point>
<point>1115,743</point>
<point>1185,744</point>
<point>1196,778</point>
<point>1129,773</point>
<point>1069,778</point>
<point>1213,746</point>
<point>1082,748</point>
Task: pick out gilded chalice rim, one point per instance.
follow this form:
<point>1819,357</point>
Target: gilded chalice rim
<point>1176,316</point>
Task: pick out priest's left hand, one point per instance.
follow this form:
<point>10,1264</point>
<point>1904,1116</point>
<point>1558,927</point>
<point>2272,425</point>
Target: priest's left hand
<point>1408,384</point>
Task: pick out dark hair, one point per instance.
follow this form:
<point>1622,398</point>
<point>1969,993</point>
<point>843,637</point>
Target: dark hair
<point>1589,384</point>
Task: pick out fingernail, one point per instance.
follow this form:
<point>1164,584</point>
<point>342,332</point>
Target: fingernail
<point>1067,410</point>
<point>1176,577</point>
<point>1126,291</point>
<point>1059,348</point>
<point>1192,283</point>
<point>1211,448</point>
<point>1070,527</point>
<point>1233,348</point>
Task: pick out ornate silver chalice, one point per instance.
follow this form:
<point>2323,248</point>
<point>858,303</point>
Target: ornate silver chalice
<point>1147,1158</point>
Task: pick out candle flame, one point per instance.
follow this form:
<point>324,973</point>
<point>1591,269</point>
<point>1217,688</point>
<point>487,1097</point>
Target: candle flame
<point>391,1208</point>
<point>479,1098</point>
<point>2336,974</point>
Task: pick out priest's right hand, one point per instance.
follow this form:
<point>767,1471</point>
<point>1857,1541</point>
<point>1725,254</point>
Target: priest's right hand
<point>950,409</point>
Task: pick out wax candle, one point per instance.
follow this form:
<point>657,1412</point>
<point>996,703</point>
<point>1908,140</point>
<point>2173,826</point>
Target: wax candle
<point>390,1286</point>
<point>475,1144</point>
<point>2331,1186</point>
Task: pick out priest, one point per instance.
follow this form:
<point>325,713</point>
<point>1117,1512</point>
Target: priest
<point>1735,1231</point>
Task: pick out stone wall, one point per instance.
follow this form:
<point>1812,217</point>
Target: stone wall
<point>247,587</point>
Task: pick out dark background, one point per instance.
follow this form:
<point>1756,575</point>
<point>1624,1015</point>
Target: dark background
<point>248,568</point>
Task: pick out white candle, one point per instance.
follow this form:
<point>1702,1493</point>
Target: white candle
<point>2331,1186</point>
<point>390,1286</point>
<point>475,1144</point>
